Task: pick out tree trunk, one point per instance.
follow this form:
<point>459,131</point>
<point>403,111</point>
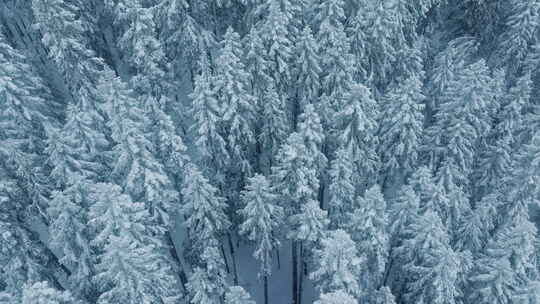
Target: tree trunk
<point>225,258</point>
<point>231,249</point>
<point>278,259</point>
<point>301,279</point>
<point>387,272</point>
<point>265,289</point>
<point>294,273</point>
<point>172,249</point>
<point>321,193</point>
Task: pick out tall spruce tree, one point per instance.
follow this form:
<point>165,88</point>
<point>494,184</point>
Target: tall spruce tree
<point>401,134</point>
<point>356,130</point>
<point>262,219</point>
<point>367,224</point>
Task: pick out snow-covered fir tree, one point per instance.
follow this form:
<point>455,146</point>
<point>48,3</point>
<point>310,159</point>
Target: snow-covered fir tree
<point>203,208</point>
<point>342,188</point>
<point>336,297</point>
<point>238,105</point>
<point>336,59</point>
<point>401,128</point>
<point>307,69</point>
<point>42,293</point>
<point>337,264</point>
<point>356,130</point>
<point>262,219</point>
<point>238,295</point>
<point>367,224</point>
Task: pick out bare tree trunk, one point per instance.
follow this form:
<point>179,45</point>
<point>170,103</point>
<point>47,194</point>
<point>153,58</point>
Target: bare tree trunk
<point>321,193</point>
<point>387,272</point>
<point>231,248</point>
<point>278,259</point>
<point>265,289</point>
<point>225,258</point>
<point>294,273</point>
<point>172,249</point>
<point>301,279</point>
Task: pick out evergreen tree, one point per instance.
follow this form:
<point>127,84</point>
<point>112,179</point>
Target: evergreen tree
<point>356,130</point>
<point>181,36</point>
<point>215,268</point>
<point>405,210</point>
<point>449,179</point>
<point>262,218</point>
<point>237,295</point>
<point>432,264</point>
<point>462,121</point>
<point>42,293</point>
<point>84,130</point>
<point>341,188</point>
<point>64,34</point>
<point>376,39</point>
<point>310,224</point>
<point>311,130</point>
<point>204,209</point>
<point>201,289</point>
<point>151,82</point>
<point>274,123</point>
<point>431,194</point>
<point>27,113</point>
<point>141,49</point>
<point>257,63</point>
<point>336,60</point>
<point>495,161</point>
<point>337,297</point>
<point>136,167</point>
<point>130,268</point>
<point>446,65</point>
<point>296,180</point>
<point>133,273</point>
<point>384,296</point>
<point>478,224</point>
<point>70,236</point>
<point>114,213</point>
<point>401,135</point>
<point>292,176</point>
<point>520,25</point>
<point>275,31</point>
<point>337,264</point>
<point>76,152</point>
<point>367,225</point>
<point>232,87</point>
<point>307,68</point>
<point>207,115</point>
<point>23,258</point>
<point>493,280</point>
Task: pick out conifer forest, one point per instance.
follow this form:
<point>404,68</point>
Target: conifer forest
<point>269,151</point>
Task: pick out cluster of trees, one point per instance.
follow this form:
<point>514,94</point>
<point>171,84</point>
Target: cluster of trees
<point>392,146</point>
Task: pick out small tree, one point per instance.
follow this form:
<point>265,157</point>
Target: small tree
<point>238,295</point>
<point>205,213</point>
<point>42,293</point>
<point>337,264</point>
<point>342,190</point>
<point>337,297</point>
<point>367,225</point>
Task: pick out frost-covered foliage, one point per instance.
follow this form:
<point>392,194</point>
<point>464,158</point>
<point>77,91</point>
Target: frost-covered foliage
<point>216,152</point>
